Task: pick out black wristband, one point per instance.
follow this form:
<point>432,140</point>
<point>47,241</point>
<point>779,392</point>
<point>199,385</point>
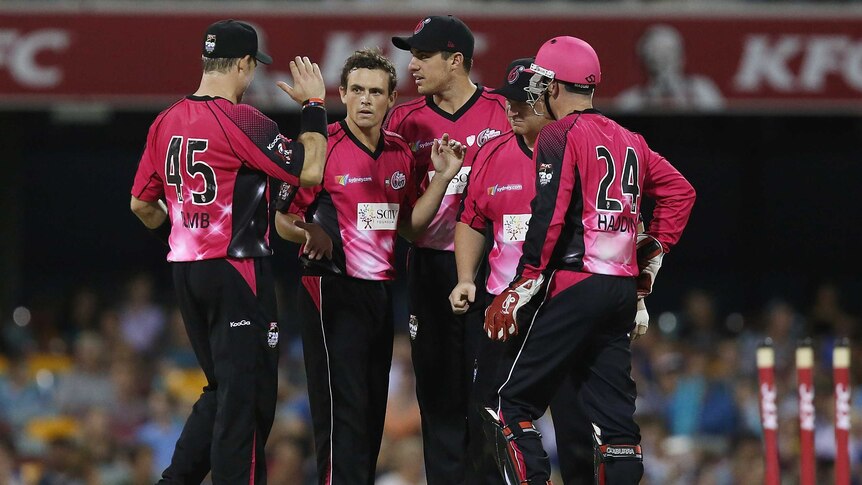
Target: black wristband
<point>313,119</point>
<point>163,232</point>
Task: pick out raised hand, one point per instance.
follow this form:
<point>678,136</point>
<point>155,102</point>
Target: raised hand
<point>307,81</point>
<point>447,155</point>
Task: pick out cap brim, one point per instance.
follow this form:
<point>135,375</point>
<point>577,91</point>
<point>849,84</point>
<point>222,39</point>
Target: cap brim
<point>261,57</point>
<point>509,91</point>
<point>402,43</point>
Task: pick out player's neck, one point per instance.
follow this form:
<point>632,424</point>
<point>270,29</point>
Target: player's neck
<point>218,85</point>
<point>530,140</point>
<point>571,106</point>
<point>369,137</point>
<point>455,94</point>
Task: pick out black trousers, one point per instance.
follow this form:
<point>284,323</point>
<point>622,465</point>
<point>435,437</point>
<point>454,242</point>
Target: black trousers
<point>232,329</point>
<point>444,351</point>
<point>579,333</point>
<point>572,428</point>
<point>347,333</point>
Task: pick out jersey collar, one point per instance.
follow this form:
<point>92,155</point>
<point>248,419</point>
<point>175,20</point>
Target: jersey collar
<point>429,100</point>
<point>522,144</point>
<point>380,143</point>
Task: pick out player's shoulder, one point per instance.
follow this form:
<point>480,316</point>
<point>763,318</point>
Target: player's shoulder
<point>402,110</point>
<point>487,96</point>
<point>238,108</point>
<point>558,129</point>
<point>487,154</point>
<point>242,115</point>
<point>169,110</point>
<point>335,129</point>
<point>495,143</point>
<point>392,138</point>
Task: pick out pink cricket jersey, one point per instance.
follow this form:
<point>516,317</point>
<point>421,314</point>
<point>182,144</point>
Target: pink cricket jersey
<point>421,121</point>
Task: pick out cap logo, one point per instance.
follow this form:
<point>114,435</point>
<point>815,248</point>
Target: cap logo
<point>450,44</point>
<point>514,74</point>
<point>591,79</point>
<point>420,25</point>
<point>209,45</point>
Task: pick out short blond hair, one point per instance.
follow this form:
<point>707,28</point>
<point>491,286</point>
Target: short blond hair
<point>218,64</point>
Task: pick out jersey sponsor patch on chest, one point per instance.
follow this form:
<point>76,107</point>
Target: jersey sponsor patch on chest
<point>373,216</point>
<point>351,179</point>
<point>397,180</point>
<point>458,183</point>
<point>498,188</point>
<point>483,137</point>
<point>515,227</point>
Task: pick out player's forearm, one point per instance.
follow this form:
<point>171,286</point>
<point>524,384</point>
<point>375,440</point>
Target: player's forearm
<point>314,147</point>
<point>469,246</point>
<point>152,214</point>
<point>287,230</point>
<point>425,209</point>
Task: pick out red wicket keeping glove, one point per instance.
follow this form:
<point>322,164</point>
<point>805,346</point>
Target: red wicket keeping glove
<point>649,253</point>
<point>500,316</point>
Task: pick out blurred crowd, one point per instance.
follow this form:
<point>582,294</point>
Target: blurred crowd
<point>94,391</point>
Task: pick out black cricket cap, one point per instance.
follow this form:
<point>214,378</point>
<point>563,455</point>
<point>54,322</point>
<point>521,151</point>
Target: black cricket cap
<point>439,33</point>
<point>232,39</point>
<point>517,78</point>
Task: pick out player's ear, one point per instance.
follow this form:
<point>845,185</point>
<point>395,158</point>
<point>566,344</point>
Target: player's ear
<point>244,63</point>
<point>392,97</point>
<point>457,60</point>
<point>342,91</point>
<point>554,88</point>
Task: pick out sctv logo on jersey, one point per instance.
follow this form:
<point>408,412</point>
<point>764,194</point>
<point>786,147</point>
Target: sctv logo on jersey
<point>483,137</point>
<point>371,216</point>
<point>458,182</point>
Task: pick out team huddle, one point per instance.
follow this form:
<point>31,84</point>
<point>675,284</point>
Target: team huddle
<point>527,273</point>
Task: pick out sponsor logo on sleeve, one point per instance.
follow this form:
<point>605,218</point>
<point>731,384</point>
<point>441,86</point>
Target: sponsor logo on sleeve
<point>241,323</point>
<point>377,216</point>
<point>280,145</point>
<point>546,173</point>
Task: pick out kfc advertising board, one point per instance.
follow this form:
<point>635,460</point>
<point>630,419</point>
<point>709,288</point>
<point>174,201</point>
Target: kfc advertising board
<point>693,62</point>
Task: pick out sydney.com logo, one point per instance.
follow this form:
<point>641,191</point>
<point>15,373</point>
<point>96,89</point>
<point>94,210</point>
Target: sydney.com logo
<point>347,179</point>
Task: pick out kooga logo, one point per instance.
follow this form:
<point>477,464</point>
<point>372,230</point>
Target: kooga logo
<point>240,323</point>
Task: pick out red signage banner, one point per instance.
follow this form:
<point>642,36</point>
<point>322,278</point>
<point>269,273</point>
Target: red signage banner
<point>690,62</point>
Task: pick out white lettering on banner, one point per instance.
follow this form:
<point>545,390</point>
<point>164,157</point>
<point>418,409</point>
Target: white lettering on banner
<point>768,406</point>
<point>515,226</point>
<point>767,62</point>
<point>842,407</point>
<point>341,44</point>
<point>377,216</point>
<point>806,407</point>
<point>18,53</point>
<point>458,182</point>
